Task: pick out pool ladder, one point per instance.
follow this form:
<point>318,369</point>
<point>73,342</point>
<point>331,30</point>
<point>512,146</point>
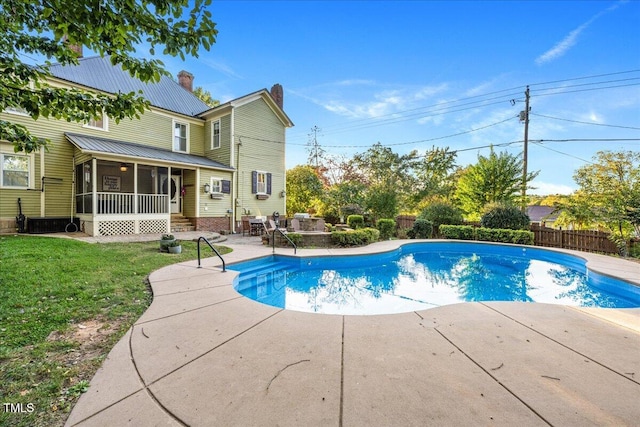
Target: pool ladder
<point>224,265</point>
<point>273,240</point>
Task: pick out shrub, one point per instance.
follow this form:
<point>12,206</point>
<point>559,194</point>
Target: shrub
<point>387,228</point>
<point>355,221</point>
<point>360,237</point>
<point>441,213</point>
<point>505,217</point>
<point>372,234</point>
<point>296,238</point>
<point>504,236</point>
<point>422,229</point>
<point>403,233</point>
<point>460,232</point>
<point>522,237</point>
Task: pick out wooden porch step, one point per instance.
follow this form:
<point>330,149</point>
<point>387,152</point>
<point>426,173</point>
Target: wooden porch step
<point>181,223</point>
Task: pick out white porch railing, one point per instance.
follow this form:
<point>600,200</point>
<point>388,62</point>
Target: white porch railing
<point>124,203</point>
<point>153,203</point>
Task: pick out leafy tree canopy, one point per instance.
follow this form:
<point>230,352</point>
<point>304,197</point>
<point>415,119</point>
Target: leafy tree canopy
<point>304,189</point>
<point>114,28</point>
<point>205,96</point>
<point>493,179</point>
<point>611,184</point>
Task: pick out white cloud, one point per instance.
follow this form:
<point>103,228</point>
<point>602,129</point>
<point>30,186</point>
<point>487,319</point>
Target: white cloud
<point>546,188</point>
<point>220,67</point>
<point>571,39</point>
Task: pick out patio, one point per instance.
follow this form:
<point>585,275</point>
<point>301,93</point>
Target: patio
<point>204,355</point>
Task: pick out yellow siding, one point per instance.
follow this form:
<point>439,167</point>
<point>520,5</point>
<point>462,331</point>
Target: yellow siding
<point>262,136</point>
<point>222,154</point>
<point>212,207</point>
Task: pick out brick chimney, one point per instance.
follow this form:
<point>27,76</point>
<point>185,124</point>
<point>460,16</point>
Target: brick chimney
<point>277,94</point>
<point>185,79</point>
<point>77,48</point>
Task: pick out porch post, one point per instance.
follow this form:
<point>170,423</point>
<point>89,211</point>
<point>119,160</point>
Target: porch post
<point>94,189</point>
<point>136,222</point>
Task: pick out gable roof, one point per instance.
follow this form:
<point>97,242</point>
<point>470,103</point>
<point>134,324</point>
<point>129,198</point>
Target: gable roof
<point>262,93</point>
<point>93,145</point>
<point>542,213</point>
<point>98,73</point>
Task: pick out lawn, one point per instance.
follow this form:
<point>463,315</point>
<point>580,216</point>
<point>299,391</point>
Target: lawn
<point>63,305</point>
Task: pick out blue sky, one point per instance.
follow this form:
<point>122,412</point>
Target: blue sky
<point>417,74</point>
<point>412,74</point>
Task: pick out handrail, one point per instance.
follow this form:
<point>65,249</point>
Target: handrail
<point>224,265</point>
<point>273,238</point>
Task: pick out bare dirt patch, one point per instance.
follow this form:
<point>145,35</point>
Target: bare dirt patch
<point>89,339</point>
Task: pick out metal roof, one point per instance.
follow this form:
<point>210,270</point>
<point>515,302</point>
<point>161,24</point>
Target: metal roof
<point>92,144</point>
<point>98,73</point>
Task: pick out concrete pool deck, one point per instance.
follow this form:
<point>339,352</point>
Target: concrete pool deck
<point>203,355</point>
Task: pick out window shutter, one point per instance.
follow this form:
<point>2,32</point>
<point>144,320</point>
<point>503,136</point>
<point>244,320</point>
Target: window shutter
<point>254,182</point>
<point>226,186</point>
<point>268,183</point>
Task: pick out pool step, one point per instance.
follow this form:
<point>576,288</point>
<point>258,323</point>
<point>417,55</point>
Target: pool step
<point>263,269</point>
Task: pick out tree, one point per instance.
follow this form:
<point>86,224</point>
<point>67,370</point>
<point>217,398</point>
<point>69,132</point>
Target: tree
<point>205,96</point>
<point>108,28</point>
<point>387,176</point>
<point>304,189</point>
<point>434,175</point>
<point>493,179</point>
<point>611,184</point>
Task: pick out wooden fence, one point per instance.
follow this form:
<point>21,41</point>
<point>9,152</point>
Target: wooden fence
<point>579,240</point>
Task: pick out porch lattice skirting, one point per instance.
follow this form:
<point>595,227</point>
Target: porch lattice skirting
<point>144,226</point>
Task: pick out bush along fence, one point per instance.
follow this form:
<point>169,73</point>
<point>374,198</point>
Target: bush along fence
<point>468,232</point>
<point>580,240</point>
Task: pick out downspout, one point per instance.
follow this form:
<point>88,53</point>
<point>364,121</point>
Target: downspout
<point>234,174</point>
<point>42,173</point>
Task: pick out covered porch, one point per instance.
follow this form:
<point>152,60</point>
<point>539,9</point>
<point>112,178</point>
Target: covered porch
<point>123,188</point>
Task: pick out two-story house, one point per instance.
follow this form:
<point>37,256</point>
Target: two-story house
<point>181,158</point>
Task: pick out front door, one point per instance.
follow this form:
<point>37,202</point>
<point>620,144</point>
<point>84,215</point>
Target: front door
<point>175,194</point>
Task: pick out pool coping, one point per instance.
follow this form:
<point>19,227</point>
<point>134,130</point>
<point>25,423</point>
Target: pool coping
<point>202,354</point>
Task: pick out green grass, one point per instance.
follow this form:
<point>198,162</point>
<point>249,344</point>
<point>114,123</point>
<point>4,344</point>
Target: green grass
<point>50,286</point>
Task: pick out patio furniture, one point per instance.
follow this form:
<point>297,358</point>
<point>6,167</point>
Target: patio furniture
<point>256,226</point>
<point>246,225</point>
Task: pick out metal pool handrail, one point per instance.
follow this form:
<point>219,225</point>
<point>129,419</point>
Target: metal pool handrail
<point>224,265</point>
<point>273,240</point>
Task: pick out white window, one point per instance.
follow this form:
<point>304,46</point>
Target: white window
<point>180,137</point>
<point>216,185</point>
<point>16,110</point>
<point>15,170</point>
<point>215,135</point>
<point>101,123</point>
<point>261,183</point>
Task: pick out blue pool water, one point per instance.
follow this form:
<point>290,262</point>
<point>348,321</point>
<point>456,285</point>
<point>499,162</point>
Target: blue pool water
<point>418,276</point>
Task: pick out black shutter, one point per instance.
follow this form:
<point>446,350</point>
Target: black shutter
<point>226,186</point>
<point>268,183</point>
<point>254,182</point>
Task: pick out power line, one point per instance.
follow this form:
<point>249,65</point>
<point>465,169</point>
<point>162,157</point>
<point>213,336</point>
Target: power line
<point>539,144</point>
<point>585,123</point>
<point>422,140</point>
<point>447,107</point>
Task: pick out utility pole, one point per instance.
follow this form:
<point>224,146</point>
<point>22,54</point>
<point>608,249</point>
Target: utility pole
<point>313,151</point>
<point>525,116</point>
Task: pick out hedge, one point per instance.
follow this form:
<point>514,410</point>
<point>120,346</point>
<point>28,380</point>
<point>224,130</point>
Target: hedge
<point>355,221</point>
<point>467,232</point>
<point>460,232</point>
<point>360,237</point>
<point>387,227</point>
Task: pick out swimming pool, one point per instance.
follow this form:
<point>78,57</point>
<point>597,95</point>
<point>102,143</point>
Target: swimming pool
<point>418,276</point>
